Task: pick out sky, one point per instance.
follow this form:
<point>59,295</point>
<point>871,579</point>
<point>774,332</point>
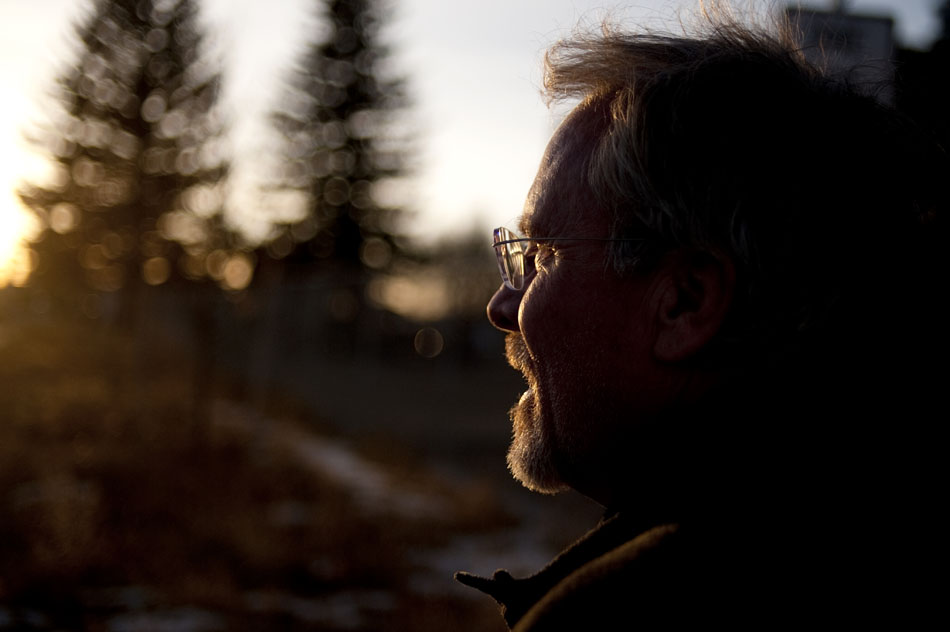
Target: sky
<point>477,123</point>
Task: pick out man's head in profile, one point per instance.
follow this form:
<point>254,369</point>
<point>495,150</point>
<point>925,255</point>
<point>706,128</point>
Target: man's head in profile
<point>721,295</point>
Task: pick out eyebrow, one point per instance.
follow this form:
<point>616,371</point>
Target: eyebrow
<point>524,226</point>
<point>529,226</point>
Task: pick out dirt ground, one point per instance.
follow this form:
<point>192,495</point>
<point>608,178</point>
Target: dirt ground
<point>345,500</point>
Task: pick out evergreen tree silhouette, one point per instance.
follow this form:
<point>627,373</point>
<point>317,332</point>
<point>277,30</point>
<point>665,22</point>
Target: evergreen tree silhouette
<point>137,154</point>
<point>334,117</point>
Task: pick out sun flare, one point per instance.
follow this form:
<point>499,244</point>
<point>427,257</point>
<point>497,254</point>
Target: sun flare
<point>14,255</point>
<point>15,220</point>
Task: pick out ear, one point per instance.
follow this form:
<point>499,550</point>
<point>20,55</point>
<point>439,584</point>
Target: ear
<point>693,302</point>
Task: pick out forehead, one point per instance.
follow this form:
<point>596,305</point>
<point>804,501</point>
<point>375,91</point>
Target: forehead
<point>560,201</point>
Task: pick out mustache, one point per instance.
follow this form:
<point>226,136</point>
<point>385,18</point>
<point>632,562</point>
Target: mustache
<point>517,353</point>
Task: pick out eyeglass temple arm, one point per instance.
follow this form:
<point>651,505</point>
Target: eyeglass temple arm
<point>520,239</point>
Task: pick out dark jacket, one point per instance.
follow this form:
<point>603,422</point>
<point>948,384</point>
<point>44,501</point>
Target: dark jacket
<point>670,577</point>
<point>589,585</point>
<point>762,527</point>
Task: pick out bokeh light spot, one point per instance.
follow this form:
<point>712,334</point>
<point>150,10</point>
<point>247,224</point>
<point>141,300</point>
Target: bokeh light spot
<point>214,264</point>
<point>153,108</point>
<point>428,342</point>
<point>93,257</point>
<point>156,40</point>
<point>64,218</point>
<point>156,270</point>
<point>87,173</point>
<point>375,253</point>
<point>238,272</point>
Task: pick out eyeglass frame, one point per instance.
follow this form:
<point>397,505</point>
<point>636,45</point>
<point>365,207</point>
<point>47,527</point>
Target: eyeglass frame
<point>506,256</point>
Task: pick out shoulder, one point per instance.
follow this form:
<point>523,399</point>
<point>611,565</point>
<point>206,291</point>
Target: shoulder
<point>640,580</point>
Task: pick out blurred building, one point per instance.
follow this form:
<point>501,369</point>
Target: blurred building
<point>857,47</point>
<point>923,80</point>
<point>861,49</point>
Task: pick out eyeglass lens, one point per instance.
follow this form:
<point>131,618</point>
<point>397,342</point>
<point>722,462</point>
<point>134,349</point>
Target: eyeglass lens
<point>510,258</point>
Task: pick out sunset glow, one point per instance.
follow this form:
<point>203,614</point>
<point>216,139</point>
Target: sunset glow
<point>11,253</point>
<point>478,122</point>
<point>14,220</point>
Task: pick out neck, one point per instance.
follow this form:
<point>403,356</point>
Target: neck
<point>684,464</point>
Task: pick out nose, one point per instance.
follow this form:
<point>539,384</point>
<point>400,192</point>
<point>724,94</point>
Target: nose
<point>503,308</point>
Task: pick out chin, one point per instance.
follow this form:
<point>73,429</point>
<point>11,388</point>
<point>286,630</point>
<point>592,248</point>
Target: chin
<point>531,456</point>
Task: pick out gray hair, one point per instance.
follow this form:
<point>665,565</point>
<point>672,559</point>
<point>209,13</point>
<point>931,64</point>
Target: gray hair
<point>731,143</point>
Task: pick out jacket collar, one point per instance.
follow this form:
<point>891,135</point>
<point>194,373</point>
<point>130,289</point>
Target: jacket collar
<point>517,596</point>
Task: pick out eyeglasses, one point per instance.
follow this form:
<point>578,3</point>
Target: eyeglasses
<point>511,251</point>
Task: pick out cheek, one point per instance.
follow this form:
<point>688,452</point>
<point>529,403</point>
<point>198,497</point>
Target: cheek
<point>553,299</point>
<point>531,310</point>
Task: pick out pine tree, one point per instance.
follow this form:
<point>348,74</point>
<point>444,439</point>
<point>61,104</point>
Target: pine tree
<point>136,155</point>
<point>334,117</point>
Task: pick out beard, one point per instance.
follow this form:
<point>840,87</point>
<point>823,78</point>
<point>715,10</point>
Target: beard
<point>532,454</point>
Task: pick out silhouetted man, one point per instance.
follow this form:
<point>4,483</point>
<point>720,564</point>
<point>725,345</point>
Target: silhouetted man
<point>723,306</point>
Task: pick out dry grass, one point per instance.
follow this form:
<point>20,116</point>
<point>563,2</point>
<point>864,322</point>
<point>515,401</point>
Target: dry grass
<point>112,475</point>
